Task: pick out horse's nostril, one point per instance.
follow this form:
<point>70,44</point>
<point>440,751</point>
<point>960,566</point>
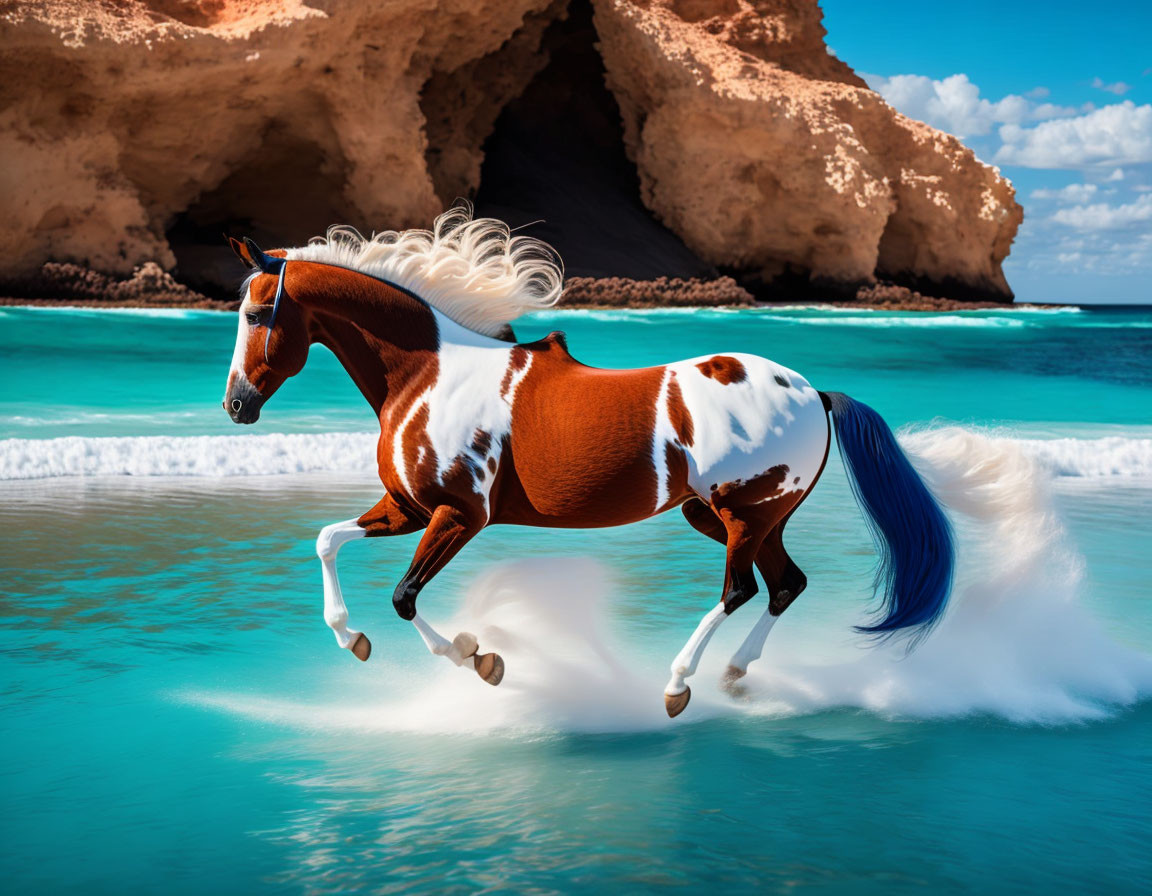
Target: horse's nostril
<point>236,405</point>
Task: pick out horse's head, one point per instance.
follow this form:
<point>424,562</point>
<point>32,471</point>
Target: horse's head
<point>272,339</point>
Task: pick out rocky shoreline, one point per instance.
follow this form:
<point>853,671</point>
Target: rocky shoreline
<point>151,287</point>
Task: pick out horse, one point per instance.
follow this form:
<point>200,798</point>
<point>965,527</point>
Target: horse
<point>478,430</point>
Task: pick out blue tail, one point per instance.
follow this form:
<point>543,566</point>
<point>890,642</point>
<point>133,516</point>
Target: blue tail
<point>912,533</point>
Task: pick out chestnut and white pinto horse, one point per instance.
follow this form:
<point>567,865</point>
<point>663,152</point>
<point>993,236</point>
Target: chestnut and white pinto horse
<point>476,430</point>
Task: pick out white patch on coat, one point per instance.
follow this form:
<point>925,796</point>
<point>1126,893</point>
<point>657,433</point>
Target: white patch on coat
<point>465,398</point>
<point>741,430</point>
<point>398,462</point>
<point>662,434</point>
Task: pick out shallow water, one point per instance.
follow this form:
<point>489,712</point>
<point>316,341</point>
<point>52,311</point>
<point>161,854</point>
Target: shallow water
<point>177,714</point>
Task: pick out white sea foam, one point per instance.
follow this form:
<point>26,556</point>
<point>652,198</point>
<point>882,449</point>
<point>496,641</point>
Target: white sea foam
<point>911,319</point>
<point>247,455</point>
<point>275,453</point>
<point>1018,642</point>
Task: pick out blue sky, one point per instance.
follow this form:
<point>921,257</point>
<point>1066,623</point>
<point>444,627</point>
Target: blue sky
<point>1058,95</point>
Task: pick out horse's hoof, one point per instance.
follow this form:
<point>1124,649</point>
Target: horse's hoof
<point>361,648</point>
<point>675,703</point>
<point>490,667</point>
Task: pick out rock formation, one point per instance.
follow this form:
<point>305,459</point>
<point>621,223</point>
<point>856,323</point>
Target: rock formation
<point>134,131</point>
<point>767,154</point>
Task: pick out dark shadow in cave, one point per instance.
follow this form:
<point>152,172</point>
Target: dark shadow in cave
<point>557,155</point>
<point>288,193</point>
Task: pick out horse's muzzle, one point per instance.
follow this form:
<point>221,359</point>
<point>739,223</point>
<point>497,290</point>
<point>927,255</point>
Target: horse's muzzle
<point>242,401</point>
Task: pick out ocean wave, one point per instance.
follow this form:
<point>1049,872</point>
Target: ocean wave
<point>911,319</point>
<point>350,452</point>
<point>203,456</point>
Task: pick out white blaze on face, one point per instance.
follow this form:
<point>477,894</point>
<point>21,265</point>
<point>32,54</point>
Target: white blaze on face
<point>240,351</point>
<point>243,331</point>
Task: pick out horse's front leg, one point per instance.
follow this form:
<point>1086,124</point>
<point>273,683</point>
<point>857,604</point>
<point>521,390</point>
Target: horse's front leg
<point>386,518</point>
<point>448,531</point>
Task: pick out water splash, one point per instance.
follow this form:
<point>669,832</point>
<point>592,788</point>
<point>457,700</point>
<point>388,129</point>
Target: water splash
<point>1017,642</point>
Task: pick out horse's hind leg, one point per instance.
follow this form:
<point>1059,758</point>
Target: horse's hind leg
<point>744,534</point>
<point>386,518</point>
<point>784,581</point>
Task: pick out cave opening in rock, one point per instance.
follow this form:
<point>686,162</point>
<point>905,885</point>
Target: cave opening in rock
<point>288,191</point>
<point>557,157</point>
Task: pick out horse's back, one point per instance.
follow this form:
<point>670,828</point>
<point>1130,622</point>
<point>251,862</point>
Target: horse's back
<point>596,447</point>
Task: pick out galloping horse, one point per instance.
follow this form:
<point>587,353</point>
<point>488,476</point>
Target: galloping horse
<point>477,430</point>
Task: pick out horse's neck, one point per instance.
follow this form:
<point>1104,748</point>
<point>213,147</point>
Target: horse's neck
<point>396,346</point>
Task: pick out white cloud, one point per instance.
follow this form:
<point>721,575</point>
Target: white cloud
<point>954,104</point>
<point>1106,217</point>
<point>1119,87</point>
<point>1116,175</point>
<point>1112,135</point>
<point>1072,193</point>
<point>1038,93</point>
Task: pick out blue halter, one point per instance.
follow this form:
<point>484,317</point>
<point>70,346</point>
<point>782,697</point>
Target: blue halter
<point>269,264</point>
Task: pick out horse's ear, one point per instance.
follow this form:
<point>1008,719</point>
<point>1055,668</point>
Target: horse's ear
<point>241,251</point>
<point>269,264</point>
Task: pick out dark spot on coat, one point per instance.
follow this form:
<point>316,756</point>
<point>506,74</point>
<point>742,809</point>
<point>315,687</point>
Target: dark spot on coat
<point>481,442</point>
<point>724,369</point>
<point>743,492</point>
<point>782,382</point>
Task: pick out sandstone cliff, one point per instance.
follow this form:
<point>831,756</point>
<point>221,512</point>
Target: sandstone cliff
<point>134,131</point>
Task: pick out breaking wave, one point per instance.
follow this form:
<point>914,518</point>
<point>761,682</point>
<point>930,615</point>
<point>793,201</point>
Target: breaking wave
<point>274,453</point>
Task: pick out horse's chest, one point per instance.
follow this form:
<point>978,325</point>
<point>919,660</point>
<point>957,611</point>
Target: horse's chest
<point>449,437</point>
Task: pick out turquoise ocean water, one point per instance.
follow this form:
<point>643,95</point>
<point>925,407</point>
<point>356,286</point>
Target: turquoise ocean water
<point>178,718</point>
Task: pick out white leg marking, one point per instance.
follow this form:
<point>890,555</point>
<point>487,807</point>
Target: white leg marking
<point>439,645</point>
<point>686,661</point>
<point>753,645</point>
<point>327,546</point>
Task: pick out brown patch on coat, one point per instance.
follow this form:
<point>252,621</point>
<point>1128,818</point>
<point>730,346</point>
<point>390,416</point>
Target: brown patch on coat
<point>518,359</point>
<point>676,475</point>
<point>742,492</point>
<point>678,412</point>
<point>579,454</point>
<point>724,369</point>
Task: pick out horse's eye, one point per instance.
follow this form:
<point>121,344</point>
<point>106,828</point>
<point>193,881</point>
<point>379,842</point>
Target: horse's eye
<point>253,318</point>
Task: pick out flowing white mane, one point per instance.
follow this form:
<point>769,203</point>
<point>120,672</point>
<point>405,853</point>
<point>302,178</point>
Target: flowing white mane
<point>473,271</point>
